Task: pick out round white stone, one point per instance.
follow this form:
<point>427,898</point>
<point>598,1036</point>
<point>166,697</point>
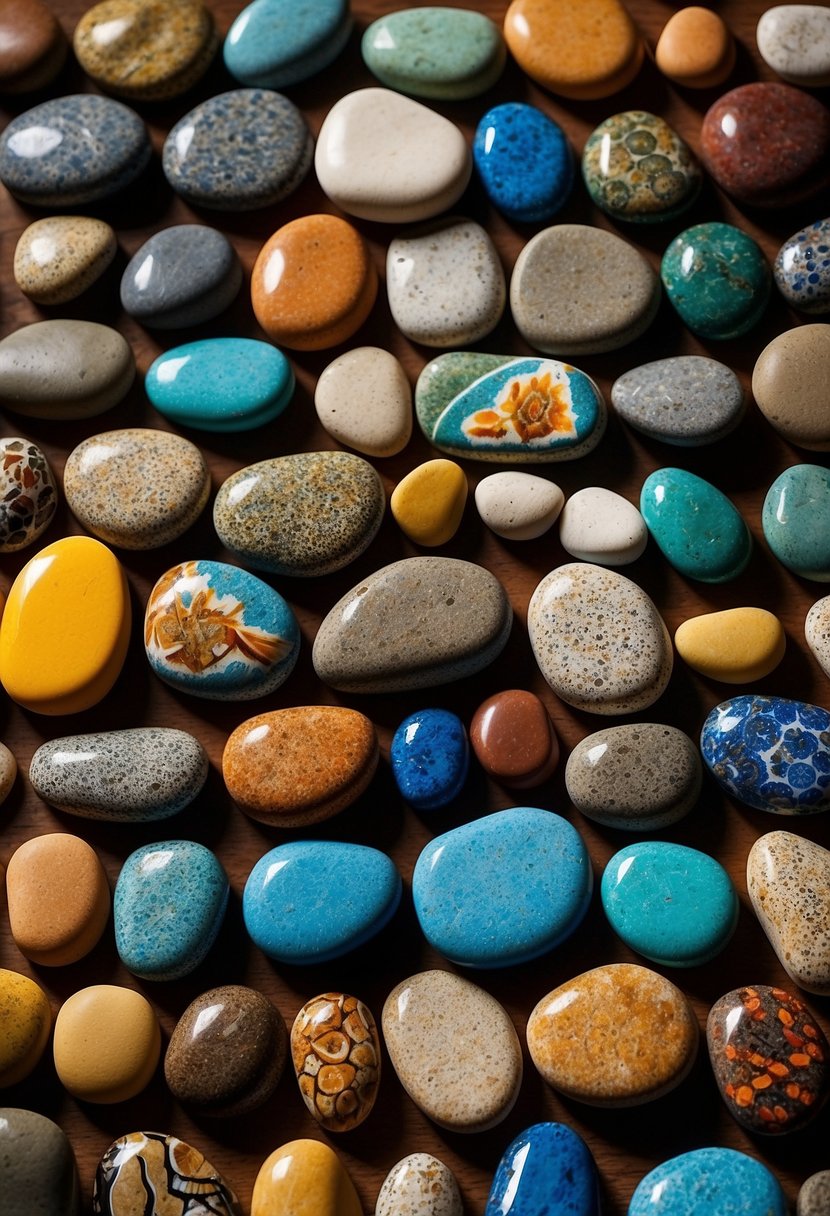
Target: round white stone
<point>794,40</point>
<point>518,506</point>
<point>600,526</point>
<point>364,400</point>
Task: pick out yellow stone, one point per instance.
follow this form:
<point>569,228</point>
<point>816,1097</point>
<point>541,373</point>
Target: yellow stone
<point>429,503</point>
<point>25,1022</point>
<point>107,1043</point>
<point>304,1178</point>
<point>65,631</point>
<point>736,646</point>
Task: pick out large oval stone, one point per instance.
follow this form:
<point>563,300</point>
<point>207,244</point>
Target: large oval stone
<point>28,494</point>
<point>107,1043</point>
<point>695,526</point>
<point>718,1180</point>
<point>788,880</point>
<point>64,370</point>
<point>546,1168</point>
<point>717,278</point>
<point>419,1185</point>
<point>306,1178</point>
<point>27,1021</point>
<point>336,1053</point>
<point>183,275</point>
<point>429,756</point>
<point>687,400</point>
<point>796,519</point>
<point>58,258</point>
<point>442,53</point>
<point>637,168</point>
<point>37,1166</point>
<point>524,161</point>
<point>276,43</point>
<point>144,1171</point>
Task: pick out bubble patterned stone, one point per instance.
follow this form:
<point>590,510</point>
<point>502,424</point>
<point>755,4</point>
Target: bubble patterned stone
<point>817,632</point>
<point>276,43</point>
<point>184,275</point>
<point>429,756</point>
<point>28,494</point>
<point>709,1180</point>
<point>687,400</point>
<point>791,385</point>
<point>788,880</point>
<point>150,1171</point>
<point>26,1017</point>
<point>695,526</point>
<point>39,1171</point>
<point>802,268</point>
<point>419,1185</point>
<point>717,279</point>
<point>814,1195</point>
<point>524,161</point>
<point>695,49</point>
<point>336,1053</point>
<point>794,40</point>
<point>435,52</point>
<point>59,258</point>
<point>637,168</point>
<point>445,377</point>
<point>33,46</point>
<point>546,1168</point>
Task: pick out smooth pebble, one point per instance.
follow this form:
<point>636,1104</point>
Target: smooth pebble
<point>814,1195</point>
<point>64,370</point>
<point>597,525</point>
<point>430,756</point>
<point>817,632</point>
<point>637,169</point>
<point>524,161</point>
<point>183,275</point>
<point>276,43</point>
<point>734,646</point>
<point>428,503</point>
<point>791,385</point>
<point>547,1168</point>
<point>687,400</point>
<point>435,52</point>
<point>107,1044</point>
<point>307,1178</point>
<point>363,400</point>
<point>8,772</point>
<point>335,1050</point>
<point>788,881</point>
<point>718,280</point>
<point>419,1185</point>
<point>38,1172</point>
<point>802,268</point>
<point>26,1018</point>
<point>695,526</point>
<point>709,1180</point>
<point>445,377</point>
<point>514,739</point>
<point>28,494</point>
<point>695,49</point>
<point>151,1171</point>
<point>33,46</point>
<point>58,258</point>
<point>518,506</point>
<point>794,40</point>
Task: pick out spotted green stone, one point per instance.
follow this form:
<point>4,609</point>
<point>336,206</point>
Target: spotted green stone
<point>442,53</point>
<point>445,377</point>
<point>717,279</point>
<point>637,168</point>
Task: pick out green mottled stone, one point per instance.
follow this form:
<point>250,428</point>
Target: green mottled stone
<point>695,526</point>
<point>443,53</point>
<point>445,377</point>
<point>718,280</point>
<point>636,168</point>
<point>796,520</point>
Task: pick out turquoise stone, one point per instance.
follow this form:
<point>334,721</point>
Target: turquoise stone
<point>718,280</point>
<point>796,520</point>
<point>168,907</point>
<point>275,43</point>
<point>430,756</point>
<point>442,53</point>
<point>536,872</point>
<point>802,268</point>
<point>524,161</point>
<point>310,901</point>
<point>221,384</point>
<point>548,1168</point>
<point>674,905</point>
<point>637,168</point>
<point>695,526</point>
<point>445,377</point>
<point>709,1182</point>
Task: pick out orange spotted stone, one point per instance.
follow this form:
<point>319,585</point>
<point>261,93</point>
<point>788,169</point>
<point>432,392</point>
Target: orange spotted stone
<point>696,49</point>
<point>336,1053</point>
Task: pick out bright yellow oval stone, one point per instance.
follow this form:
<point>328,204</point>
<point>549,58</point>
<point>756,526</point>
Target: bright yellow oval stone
<point>429,503</point>
<point>736,646</point>
<point>64,634</point>
<point>107,1043</point>
<point>25,1022</point>
<point>304,1178</point>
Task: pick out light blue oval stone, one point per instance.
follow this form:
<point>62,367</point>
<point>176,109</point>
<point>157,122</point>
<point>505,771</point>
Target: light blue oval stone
<point>274,43</point>
<point>221,384</point>
<point>535,871</point>
<point>430,757</point>
<point>168,907</point>
<point>709,1182</point>
<point>770,752</point>
<point>312,900</point>
<point>674,905</point>
<point>695,526</point>
<point>796,520</point>
<point>436,52</point>
<point>548,1168</point>
<point>524,161</point>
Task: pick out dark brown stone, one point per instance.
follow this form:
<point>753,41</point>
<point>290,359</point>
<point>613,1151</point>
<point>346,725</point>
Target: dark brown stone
<point>514,739</point>
<point>32,46</point>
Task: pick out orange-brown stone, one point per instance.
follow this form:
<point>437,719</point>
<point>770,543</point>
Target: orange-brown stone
<point>696,48</point>
<point>514,740</point>
<point>32,46</point>
<point>336,1053</point>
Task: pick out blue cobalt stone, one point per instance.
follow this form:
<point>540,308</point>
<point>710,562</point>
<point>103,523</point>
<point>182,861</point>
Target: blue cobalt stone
<point>274,43</point>
<point>709,1182</point>
<point>168,907</point>
<point>802,268</point>
<point>549,1169</point>
<point>183,275</point>
<point>312,900</point>
<point>221,384</point>
<point>430,757</point>
<point>695,526</point>
<point>674,905</point>
<point>770,752</point>
<point>535,871</point>
<point>524,161</point>
<point>796,520</point>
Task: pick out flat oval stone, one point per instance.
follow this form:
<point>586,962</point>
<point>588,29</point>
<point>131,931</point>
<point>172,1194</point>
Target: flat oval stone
<point>55,656</point>
<point>695,526</point>
<point>59,258</point>
<point>169,904</point>
<point>28,494</point>
<point>790,385</point>
<point>122,776</point>
<point>181,276</point>
<point>381,156</point>
<point>770,753</point>
<point>769,1057</point>
<point>307,1178</point>
<point>447,375</point>
<point>363,400</point>
<point>788,881</point>
<point>518,506</point>
<point>675,905</point>
<point>293,767</point>
<point>537,874</point>
<point>599,640</point>
<point>524,161</point>
<point>107,1044</point>
<point>416,623</point>
<point>435,52</point>
<point>718,1180</point>
<point>34,47</point>
<point>814,1195</point>
<point>430,757</point>
<point>238,151</point>
<point>73,150</point>
<point>310,901</point>
<point>302,515</point>
<point>514,740</point>
<point>695,49</point>
<point>27,1021</point>
<point>454,1050</point>
<point>218,632</point>
<point>64,370</point>
<point>687,400</point>
<point>38,1171</point>
<point>817,632</point>
<point>428,503</point>
<point>227,1052</point>
<point>794,40</point>
<point>597,525</point>
<point>151,1171</point>
<point>575,1043</point>
<point>736,646</point>
<point>419,1185</point>
<point>637,168</point>
<point>802,268</point>
<point>276,43</point>
<point>547,1167</point>
<point>335,1049</point>
<point>612,293</point>
<point>717,279</point>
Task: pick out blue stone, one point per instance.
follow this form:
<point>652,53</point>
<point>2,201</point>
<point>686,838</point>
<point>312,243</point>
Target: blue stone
<point>695,526</point>
<point>796,520</point>
<point>524,161</point>
<point>709,1182</point>
<point>430,758</point>
<point>674,905</point>
<point>183,275</point>
<point>168,907</point>
<point>802,268</point>
<point>312,900</point>
<point>73,150</point>
<point>275,43</point>
<point>770,752</point>
<point>549,1169</point>
<point>535,871</point>
<point>221,384</point>
<point>718,280</point>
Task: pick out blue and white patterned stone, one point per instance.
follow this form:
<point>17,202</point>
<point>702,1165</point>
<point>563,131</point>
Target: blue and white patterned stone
<point>276,43</point>
<point>183,275</point>
<point>547,1168</point>
<point>430,756</point>
<point>802,268</point>
<point>709,1182</point>
<point>524,161</point>
<point>770,752</point>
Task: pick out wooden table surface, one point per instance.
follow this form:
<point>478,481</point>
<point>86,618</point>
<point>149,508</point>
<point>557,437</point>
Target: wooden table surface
<point>626,1144</point>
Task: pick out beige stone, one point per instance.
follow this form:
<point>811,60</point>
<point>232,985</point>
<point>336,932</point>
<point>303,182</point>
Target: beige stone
<point>58,258</point>
<point>791,385</point>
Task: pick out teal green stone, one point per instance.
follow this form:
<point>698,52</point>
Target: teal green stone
<point>443,53</point>
<point>796,520</point>
<point>695,526</point>
<point>718,280</point>
<point>445,377</point>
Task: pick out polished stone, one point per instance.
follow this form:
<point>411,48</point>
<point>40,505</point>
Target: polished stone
<point>428,503</point>
<point>791,385</point>
<point>38,1171</point>
<point>514,739</point>
<point>276,43</point>
<point>107,1044</point>
<point>63,370</point>
<point>364,400</point>
<point>435,52</point>
<point>183,275</point>
<point>788,881</point>
<point>735,646</point>
<point>429,756</point>
<point>795,518</point>
<point>26,1017</point>
<point>709,1180</point>
<point>335,1050</point>
<point>306,1178</point>
<point>57,259</point>
<point>518,506</point>
<point>445,377</point>
<point>794,40</point>
<point>33,46</point>
<point>419,1185</point>
<point>600,526</point>
<point>637,168</point>
<point>524,161</point>
<point>150,1171</point>
<point>802,268</point>
<point>717,278</point>
<point>695,526</point>
<point>696,49</point>
<point>546,1168</point>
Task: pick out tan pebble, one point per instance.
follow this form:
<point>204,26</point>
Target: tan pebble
<point>696,49</point>
<point>336,1053</point>
<point>58,258</point>
<point>364,400</point>
<point>8,772</point>
<point>107,1044</point>
<point>419,1185</point>
<point>429,502</point>
<point>735,646</point>
<point>304,1178</point>
<point>788,880</point>
<point>791,385</point>
<point>817,632</point>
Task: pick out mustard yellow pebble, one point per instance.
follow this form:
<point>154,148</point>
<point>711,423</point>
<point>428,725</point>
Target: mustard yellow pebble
<point>107,1043</point>
<point>304,1178</point>
<point>429,503</point>
<point>736,646</point>
<point>25,1022</point>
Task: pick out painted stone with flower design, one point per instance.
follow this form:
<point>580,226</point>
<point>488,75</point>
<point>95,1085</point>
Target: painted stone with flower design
<point>28,496</point>
<point>152,1172</point>
<point>336,1052</point>
<point>636,168</point>
<point>216,631</point>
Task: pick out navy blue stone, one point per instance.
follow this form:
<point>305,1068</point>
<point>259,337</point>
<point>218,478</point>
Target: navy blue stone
<point>802,268</point>
<point>548,1169</point>
<point>430,757</point>
<point>183,275</point>
<point>525,162</point>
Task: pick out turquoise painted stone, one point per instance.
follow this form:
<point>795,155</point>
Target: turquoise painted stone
<point>445,377</point>
<point>430,756</point>
<point>709,1182</point>
<point>674,905</point>
<point>637,168</point>
<point>718,280</point>
<point>443,53</point>
<point>802,268</point>
<point>312,900</point>
<point>218,632</point>
<point>796,520</point>
<point>770,752</point>
<point>535,870</point>
<point>524,161</point>
<point>275,43</point>
<point>168,907</point>
<point>546,1168</point>
<point>695,526</point>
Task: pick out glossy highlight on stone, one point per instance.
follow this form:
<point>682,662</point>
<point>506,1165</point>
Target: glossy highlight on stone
<point>33,48</point>
<point>697,529</point>
<point>790,385</point>
<point>435,52</point>
<point>183,275</point>
<point>717,278</point>
<point>28,494</point>
<point>335,1050</point>
<point>429,756</point>
<point>795,517</point>
<point>802,268</point>
<point>548,1167</point>
<point>636,168</point>
<point>794,40</point>
<point>57,259</point>
<point>64,370</point>
<point>788,881</point>
<point>709,1180</point>
<point>419,1185</point>
<point>735,646</point>
<point>428,503</point>
<point>144,1171</point>
<point>514,739</point>
<point>695,48</point>
<point>276,43</point>
<point>39,1171</point>
<point>307,1178</point>
<point>445,377</point>
<point>524,161</point>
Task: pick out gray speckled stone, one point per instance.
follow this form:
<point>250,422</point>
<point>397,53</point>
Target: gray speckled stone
<point>416,623</point>
<point>38,1175</point>
<point>814,1196</point>
<point>183,275</point>
<point>687,400</point>
<point>419,1185</point>
<point>64,369</point>
<point>238,151</point>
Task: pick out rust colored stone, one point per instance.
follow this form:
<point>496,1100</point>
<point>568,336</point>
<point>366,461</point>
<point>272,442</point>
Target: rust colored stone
<point>514,740</point>
<point>32,46</point>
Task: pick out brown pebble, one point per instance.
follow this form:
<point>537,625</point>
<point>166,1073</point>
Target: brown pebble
<point>336,1053</point>
<point>696,49</point>
<point>32,46</point>
<point>791,385</point>
<point>514,739</point>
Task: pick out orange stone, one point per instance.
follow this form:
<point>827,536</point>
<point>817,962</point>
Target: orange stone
<point>696,48</point>
<point>313,283</point>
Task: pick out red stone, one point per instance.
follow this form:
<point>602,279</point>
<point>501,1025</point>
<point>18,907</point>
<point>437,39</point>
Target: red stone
<point>514,739</point>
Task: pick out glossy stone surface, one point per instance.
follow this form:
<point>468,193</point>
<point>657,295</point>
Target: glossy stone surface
<point>637,168</point>
<point>687,400</point>
<point>435,52</point>
<point>335,1050</point>
<point>107,1044</point>
<point>276,43</point>
<point>794,40</point>
<point>419,1185</point>
<point>429,756</point>
<point>183,275</point>
<point>814,1195</point>
<point>445,377</point>
<point>57,259</point>
<point>38,1172</point>
<point>547,1167</point>
<point>817,632</point>
<point>428,503</point>
<point>169,904</point>
<point>514,740</point>
<point>788,881</point>
<point>695,48</point>
<point>795,517</point>
<point>524,161</point>
<point>454,1049</point>
<point>26,1018</point>
<point>802,268</point>
<point>306,1178</point>
<point>363,400</point>
<point>709,1180</point>
<point>597,525</point>
<point>28,494</point>
<point>717,278</point>
<point>313,900</point>
<point>149,1171</point>
<point>735,646</point>
<point>64,370</point>
<point>790,385</point>
<point>518,506</point>
<point>695,526</point>
<point>8,772</point>
<point>33,46</point>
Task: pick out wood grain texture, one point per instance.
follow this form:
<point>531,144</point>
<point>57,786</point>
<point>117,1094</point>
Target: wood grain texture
<point>625,1143</point>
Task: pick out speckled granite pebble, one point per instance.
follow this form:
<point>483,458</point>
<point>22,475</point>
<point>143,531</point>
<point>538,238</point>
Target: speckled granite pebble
<point>814,1196</point>
<point>335,1049</point>
<point>546,1168</point>
<point>518,506</point>
<point>435,52</point>
<point>429,756</point>
<point>802,268</point>
<point>8,772</point>
<point>791,385</point>
<point>695,48</point>
<point>28,494</point>
<point>64,369</point>
<point>817,632</point>
<point>276,43</point>
<point>32,46</point>
<point>717,278</point>
<point>708,1181</point>
<point>524,161</point>
<point>687,400</point>
<point>363,399</point>
<point>151,1172</point>
<point>181,276</point>
<point>514,739</point>
<point>794,40</point>
<point>788,880</point>
<point>419,1185</point>
<point>695,526</point>
<point>57,259</point>
<point>37,1166</point>
<point>637,168</point>
<point>597,525</point>
<point>26,1017</point>
<point>795,518</point>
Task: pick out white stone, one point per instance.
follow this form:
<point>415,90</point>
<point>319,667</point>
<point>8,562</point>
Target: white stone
<point>794,40</point>
<point>364,400</point>
<point>518,506</point>
<point>419,1185</point>
<point>600,526</point>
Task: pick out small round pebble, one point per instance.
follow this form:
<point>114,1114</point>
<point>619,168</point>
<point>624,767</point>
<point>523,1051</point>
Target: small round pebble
<point>717,278</point>
<point>435,52</point>
<point>429,756</point>
<point>32,46</point>
<point>28,494</point>
<point>597,525</point>
<point>184,275</point>
<point>26,1018</point>
<point>39,1173</point>
<point>64,370</point>
<point>814,1196</point>
<point>59,258</point>
<point>794,40</point>
<point>514,739</point>
<point>735,646</point>
<point>788,881</point>
<point>107,1043</point>
<point>364,400</point>
<point>276,43</point>
<point>637,168</point>
<point>791,385</point>
<point>144,1169</point>
<point>518,506</point>
<point>335,1049</point>
<point>419,1185</point>
<point>687,400</point>
<point>428,503</point>
<point>525,162</point>
<point>695,49</point>
<point>802,268</point>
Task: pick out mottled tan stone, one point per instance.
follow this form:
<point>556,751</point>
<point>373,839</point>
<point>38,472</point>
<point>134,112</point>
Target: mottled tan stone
<point>58,258</point>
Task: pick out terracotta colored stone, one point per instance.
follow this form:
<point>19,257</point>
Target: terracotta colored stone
<point>336,1053</point>
<point>696,49</point>
<point>514,740</point>
<point>32,46</point>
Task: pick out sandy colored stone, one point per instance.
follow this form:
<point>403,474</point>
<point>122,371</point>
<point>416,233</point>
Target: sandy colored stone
<point>735,646</point>
<point>335,1049</point>
<point>518,506</point>
<point>32,46</point>
<point>695,49</point>
<point>788,880</point>
<point>8,772</point>
<point>419,1185</point>
<point>58,258</point>
<point>597,525</point>
<point>817,632</point>
<point>107,1043</point>
<point>791,385</point>
<point>304,1178</point>
<point>814,1196</point>
<point>364,400</point>
<point>64,369</point>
